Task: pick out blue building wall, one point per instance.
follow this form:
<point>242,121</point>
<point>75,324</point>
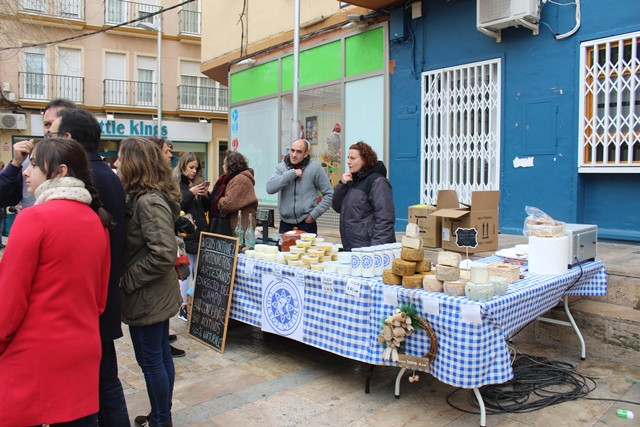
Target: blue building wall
<point>539,74</point>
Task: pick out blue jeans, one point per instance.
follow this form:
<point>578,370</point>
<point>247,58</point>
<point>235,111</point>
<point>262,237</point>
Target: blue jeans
<point>113,407</point>
<point>153,354</point>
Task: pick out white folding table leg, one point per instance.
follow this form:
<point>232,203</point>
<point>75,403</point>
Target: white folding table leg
<point>572,323</point>
<point>483,412</point>
<point>398,379</point>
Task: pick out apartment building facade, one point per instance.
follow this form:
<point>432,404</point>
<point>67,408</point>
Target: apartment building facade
<point>119,59</point>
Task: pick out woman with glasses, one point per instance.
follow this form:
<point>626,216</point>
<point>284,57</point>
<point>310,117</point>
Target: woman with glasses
<point>53,280</point>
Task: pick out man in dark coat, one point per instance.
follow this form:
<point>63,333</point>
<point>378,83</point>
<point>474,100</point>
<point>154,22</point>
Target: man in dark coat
<point>81,125</point>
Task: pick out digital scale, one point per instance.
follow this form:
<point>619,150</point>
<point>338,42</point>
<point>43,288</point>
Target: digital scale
<point>582,242</point>
<point>265,217</point>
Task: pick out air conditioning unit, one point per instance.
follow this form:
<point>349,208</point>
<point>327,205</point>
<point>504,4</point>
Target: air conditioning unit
<point>494,15</point>
<point>13,121</point>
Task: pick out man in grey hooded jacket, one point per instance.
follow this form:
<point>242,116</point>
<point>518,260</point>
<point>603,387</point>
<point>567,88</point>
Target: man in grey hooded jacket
<point>300,180</point>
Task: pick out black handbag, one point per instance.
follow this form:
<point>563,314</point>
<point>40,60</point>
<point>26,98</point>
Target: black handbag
<point>221,225</point>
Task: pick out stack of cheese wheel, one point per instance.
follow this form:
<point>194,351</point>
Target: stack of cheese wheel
<point>479,288</point>
<point>448,271</point>
<point>411,267</point>
<point>266,253</point>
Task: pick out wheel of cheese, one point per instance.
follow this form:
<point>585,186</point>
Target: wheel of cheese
<point>479,291</point>
<point>454,288</point>
<point>411,242</point>
<point>412,282</point>
<point>447,273</point>
<point>479,274</point>
<point>500,284</point>
<point>423,266</point>
<point>431,283</point>
<point>449,258</point>
<point>412,230</point>
<point>410,254</point>
<point>388,278</point>
<point>402,267</point>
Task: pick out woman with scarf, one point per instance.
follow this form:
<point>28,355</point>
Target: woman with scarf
<point>194,201</point>
<point>53,280</point>
<point>364,199</point>
<point>234,191</point>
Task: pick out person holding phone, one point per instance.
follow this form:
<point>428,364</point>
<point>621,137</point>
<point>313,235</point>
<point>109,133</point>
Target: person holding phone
<point>194,201</point>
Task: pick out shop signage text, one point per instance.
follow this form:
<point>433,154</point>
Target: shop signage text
<point>130,128</point>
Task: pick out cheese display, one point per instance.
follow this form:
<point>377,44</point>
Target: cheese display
<point>411,242</point>
<point>447,273</point>
<point>431,283</point>
<point>479,291</point>
<point>411,254</point>
<point>389,278</point>
<point>412,230</point>
<point>511,272</point>
<point>412,282</point>
<point>423,266</point>
<point>402,267</point>
<point>317,267</point>
<point>454,288</point>
<point>451,259</point>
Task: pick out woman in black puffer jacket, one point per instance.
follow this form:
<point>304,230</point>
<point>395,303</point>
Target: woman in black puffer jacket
<point>364,199</point>
<point>194,201</point>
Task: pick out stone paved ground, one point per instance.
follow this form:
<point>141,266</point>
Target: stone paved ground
<point>266,380</point>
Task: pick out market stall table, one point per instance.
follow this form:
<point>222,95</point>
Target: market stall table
<point>472,347</point>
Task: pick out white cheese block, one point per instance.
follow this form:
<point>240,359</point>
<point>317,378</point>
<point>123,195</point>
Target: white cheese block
<point>449,258</point>
<point>500,284</point>
<point>412,230</point>
<point>479,274</point>
<point>411,242</point>
<point>479,291</point>
<point>447,273</point>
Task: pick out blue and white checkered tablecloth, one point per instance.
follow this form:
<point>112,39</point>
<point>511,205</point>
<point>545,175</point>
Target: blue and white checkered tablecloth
<point>469,354</point>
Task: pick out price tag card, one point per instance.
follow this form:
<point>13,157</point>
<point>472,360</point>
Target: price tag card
<point>249,266</point>
<point>300,279</point>
<point>353,288</point>
<point>470,313</point>
<point>390,296</point>
<point>327,284</point>
<point>431,305</point>
<point>277,271</point>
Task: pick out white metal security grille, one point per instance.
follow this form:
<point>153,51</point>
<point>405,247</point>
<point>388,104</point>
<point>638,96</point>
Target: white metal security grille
<point>461,130</point>
<point>610,105</point>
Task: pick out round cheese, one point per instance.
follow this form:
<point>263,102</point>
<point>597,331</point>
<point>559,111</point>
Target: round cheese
<point>412,282</point>
<point>261,247</point>
<point>317,267</point>
<point>423,266</point>
<point>410,254</point>
<point>402,267</point>
<point>447,273</point>
<point>411,242</point>
<point>479,274</point>
<point>454,288</point>
<point>388,278</point>
<point>479,291</point>
<point>500,284</point>
<point>303,243</point>
<point>412,230</point>
<point>431,283</point>
<point>290,256</point>
<point>451,259</point>
<point>297,250</point>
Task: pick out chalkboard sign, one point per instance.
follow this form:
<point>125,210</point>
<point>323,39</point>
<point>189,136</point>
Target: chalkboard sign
<point>466,237</point>
<point>215,274</point>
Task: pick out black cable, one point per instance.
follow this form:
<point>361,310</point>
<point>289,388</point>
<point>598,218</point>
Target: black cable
<point>536,384</point>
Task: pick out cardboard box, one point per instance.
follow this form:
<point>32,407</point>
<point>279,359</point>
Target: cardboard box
<point>482,215</point>
<point>431,226</point>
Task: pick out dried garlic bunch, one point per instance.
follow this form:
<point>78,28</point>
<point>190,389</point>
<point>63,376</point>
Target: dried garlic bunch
<point>396,328</point>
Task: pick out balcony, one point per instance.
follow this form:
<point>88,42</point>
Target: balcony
<point>189,23</point>
<point>45,87</point>
<point>130,93</point>
<point>65,9</point>
<point>203,98</point>
<point>120,11</point>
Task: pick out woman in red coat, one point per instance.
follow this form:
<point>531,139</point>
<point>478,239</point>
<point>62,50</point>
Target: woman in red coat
<point>53,286</point>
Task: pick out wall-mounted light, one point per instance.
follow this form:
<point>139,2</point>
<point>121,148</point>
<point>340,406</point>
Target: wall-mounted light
<point>247,61</point>
<point>353,24</point>
<point>111,116</point>
<point>203,120</point>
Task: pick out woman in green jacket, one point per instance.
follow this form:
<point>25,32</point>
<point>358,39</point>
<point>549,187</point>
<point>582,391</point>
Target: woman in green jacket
<point>150,295</point>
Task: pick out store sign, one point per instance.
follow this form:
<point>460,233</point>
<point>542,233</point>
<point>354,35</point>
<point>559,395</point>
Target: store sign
<point>130,127</point>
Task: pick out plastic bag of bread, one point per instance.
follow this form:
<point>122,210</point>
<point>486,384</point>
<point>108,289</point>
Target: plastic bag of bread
<point>539,224</point>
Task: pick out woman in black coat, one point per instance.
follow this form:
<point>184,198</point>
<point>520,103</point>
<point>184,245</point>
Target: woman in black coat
<point>195,202</point>
<point>364,199</point>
